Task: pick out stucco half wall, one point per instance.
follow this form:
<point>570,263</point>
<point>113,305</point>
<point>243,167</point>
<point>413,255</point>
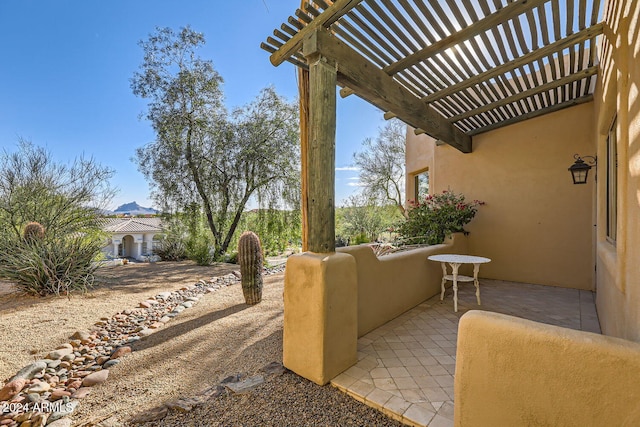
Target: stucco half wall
<point>390,285</point>
<point>332,299</point>
<point>536,225</point>
<point>514,372</point>
<point>320,315</point>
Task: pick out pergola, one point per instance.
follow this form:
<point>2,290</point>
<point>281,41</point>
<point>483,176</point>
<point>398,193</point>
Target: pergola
<point>451,69</point>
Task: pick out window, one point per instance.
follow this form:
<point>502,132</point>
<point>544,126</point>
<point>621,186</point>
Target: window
<point>612,182</point>
<point>421,185</point>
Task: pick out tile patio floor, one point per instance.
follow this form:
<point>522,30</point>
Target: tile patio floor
<point>406,366</point>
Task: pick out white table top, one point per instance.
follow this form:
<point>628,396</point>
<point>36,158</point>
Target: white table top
<point>459,259</point>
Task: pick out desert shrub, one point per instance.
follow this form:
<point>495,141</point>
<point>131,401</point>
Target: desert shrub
<point>361,220</point>
<point>50,266</point>
<point>231,258</point>
<point>199,250</point>
<point>360,239</point>
<point>341,241</point>
<point>278,229</point>
<point>171,248</point>
<point>50,233</point>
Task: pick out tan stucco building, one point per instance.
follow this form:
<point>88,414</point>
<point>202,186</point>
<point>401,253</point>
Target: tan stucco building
<point>131,237</point>
<point>538,226</point>
<point>507,145</point>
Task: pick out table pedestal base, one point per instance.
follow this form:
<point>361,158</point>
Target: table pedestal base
<point>455,278</point>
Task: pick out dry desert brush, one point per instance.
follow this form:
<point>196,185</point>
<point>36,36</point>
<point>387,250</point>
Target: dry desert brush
<point>50,234</point>
<point>50,265</point>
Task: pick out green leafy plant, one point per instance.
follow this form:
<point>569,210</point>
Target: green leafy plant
<point>436,217</point>
<point>231,257</point>
<point>363,220</point>
<point>279,230</point>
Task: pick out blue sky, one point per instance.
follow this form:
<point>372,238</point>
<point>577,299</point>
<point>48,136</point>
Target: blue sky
<point>66,65</point>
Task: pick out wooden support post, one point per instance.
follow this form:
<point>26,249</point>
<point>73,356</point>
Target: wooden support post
<point>303,90</point>
<point>321,155</point>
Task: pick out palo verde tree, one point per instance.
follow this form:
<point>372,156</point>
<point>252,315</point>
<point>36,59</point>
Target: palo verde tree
<point>203,154</point>
<point>62,203</point>
<point>382,165</point>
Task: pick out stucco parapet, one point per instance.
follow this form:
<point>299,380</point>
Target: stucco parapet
<point>320,315</point>
<point>538,374</point>
<point>474,321</point>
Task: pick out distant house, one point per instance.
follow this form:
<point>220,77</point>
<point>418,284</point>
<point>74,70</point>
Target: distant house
<point>131,237</point>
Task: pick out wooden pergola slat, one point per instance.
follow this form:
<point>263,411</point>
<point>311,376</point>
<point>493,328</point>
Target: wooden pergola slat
<point>536,90</point>
<point>532,114</point>
<point>508,12</point>
<point>515,63</point>
<point>330,15</point>
<point>374,85</point>
<point>451,68</point>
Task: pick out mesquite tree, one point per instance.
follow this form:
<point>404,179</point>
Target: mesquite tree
<point>203,154</point>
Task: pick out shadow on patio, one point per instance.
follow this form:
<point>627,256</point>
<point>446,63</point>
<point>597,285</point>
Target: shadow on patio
<point>405,368</point>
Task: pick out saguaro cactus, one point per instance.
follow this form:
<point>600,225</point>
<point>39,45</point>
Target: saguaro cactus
<point>33,231</point>
<point>250,260</point>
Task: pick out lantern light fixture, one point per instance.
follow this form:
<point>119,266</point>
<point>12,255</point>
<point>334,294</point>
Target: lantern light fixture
<point>580,168</point>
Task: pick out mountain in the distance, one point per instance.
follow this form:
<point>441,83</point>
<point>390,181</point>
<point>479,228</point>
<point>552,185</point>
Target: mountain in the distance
<point>134,209</point>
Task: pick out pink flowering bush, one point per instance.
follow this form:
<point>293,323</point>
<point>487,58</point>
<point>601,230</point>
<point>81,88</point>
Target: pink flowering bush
<point>437,216</point>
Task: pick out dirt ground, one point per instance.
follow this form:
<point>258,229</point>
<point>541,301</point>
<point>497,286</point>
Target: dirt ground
<point>31,326</point>
<point>219,337</point>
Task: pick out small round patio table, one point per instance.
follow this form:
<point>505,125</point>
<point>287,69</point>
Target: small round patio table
<point>455,261</point>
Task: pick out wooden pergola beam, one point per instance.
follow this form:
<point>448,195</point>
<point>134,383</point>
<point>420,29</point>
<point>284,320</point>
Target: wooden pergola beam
<point>587,72</point>
<point>557,46</point>
<point>532,114</point>
<point>326,18</point>
<point>499,17</point>
<point>344,92</point>
<point>378,88</point>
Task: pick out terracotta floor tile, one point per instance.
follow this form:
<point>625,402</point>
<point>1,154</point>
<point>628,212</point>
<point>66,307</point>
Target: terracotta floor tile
<point>386,384</point>
<point>419,415</point>
<point>406,383</point>
<point>398,372</point>
<point>406,367</point>
<point>379,373</point>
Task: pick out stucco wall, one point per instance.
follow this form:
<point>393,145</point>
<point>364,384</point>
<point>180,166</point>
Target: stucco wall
<point>618,90</point>
<point>536,226</point>
<point>332,299</point>
<point>320,320</point>
<point>390,285</point>
<point>514,372</point>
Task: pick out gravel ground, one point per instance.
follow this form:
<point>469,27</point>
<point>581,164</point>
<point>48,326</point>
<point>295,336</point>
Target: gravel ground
<point>31,326</point>
<point>287,400</point>
<point>217,338</point>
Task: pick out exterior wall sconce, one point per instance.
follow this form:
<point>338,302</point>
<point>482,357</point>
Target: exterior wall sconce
<point>580,169</point>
